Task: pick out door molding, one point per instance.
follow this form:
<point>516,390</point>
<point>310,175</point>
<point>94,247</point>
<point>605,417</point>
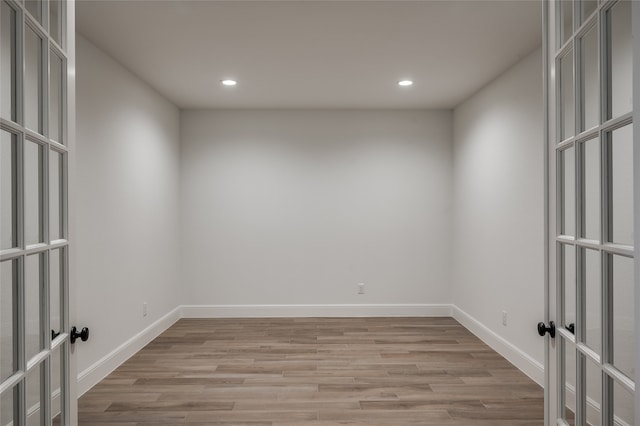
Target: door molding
<point>636,181</point>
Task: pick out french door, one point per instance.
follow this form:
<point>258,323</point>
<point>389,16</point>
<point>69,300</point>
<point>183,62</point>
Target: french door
<point>589,80</point>
<point>35,147</point>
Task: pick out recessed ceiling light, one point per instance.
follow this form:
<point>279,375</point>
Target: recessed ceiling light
<point>229,82</point>
<point>405,83</point>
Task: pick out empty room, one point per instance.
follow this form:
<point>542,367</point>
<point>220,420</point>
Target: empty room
<point>319,212</point>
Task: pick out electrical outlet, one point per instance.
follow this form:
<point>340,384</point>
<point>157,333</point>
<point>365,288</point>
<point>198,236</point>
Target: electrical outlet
<point>361,288</point>
<point>504,318</point>
<point>144,309</point>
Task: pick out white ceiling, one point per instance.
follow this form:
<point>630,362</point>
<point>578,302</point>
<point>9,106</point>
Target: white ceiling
<point>314,54</point>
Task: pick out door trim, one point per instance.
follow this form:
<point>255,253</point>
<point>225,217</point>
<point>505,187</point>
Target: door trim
<point>635,28</point>
<point>545,141</point>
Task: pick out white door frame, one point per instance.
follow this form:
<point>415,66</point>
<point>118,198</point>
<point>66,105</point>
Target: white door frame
<point>636,181</point>
<point>72,370</point>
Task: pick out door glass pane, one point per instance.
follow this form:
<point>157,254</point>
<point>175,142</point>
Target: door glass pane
<point>8,61</point>
<point>33,156</point>
<point>591,189</point>
<point>32,80</point>
<point>568,189</point>
<point>621,54</point>
<point>8,190</point>
<point>588,7</point>
<point>55,195</point>
<point>567,124</point>
<point>56,380</point>
<point>623,406</point>
<point>34,282</point>
<point>8,286</point>
<point>55,21</point>
<point>55,97</point>
<point>623,313</point>
<point>590,84</point>
<point>55,280</point>
<point>569,284</point>
<point>566,19</point>
<point>34,7</point>
<point>34,413</point>
<point>569,372</point>
<point>593,298</point>
<point>593,404</point>
<point>621,186</point>
<point>7,408</point>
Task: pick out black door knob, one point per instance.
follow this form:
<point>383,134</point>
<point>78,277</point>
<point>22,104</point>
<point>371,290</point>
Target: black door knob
<point>83,335</point>
<point>551,329</point>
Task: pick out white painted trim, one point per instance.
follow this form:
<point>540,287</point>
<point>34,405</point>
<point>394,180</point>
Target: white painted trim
<point>520,359</point>
<point>98,371</point>
<point>107,364</point>
<point>283,311</point>
<point>635,25</point>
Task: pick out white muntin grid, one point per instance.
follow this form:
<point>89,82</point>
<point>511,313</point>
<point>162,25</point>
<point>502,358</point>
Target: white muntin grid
<point>571,174</point>
<point>31,189</point>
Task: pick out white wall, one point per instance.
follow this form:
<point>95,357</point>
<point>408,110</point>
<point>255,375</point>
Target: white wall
<point>294,208</point>
<point>127,204</point>
<point>498,206</point>
<point>297,207</point>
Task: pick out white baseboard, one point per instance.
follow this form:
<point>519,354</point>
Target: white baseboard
<point>284,311</point>
<point>102,368</point>
<point>520,359</point>
<point>107,364</point>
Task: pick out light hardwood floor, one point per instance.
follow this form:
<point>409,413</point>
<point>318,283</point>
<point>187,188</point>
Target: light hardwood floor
<point>315,371</point>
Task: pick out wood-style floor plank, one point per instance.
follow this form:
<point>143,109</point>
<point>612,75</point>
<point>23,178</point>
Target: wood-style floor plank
<point>315,372</point>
